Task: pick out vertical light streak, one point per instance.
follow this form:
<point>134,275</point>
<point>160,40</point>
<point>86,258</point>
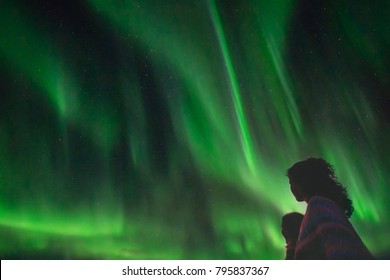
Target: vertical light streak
<point>238,106</point>
<point>291,105</point>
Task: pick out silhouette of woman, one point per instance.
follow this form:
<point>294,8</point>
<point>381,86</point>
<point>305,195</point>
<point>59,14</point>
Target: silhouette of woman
<point>291,223</point>
<point>326,232</point>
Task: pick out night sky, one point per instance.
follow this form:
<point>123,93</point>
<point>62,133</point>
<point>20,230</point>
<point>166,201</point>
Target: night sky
<point>163,129</point>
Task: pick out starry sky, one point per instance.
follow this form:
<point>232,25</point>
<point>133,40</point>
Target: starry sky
<point>163,129</point>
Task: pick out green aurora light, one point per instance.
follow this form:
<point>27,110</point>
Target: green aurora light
<point>142,130</point>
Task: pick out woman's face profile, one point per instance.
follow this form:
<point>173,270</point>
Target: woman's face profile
<point>296,191</point>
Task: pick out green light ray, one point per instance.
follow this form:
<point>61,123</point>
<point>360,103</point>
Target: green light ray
<point>42,62</point>
<point>292,108</point>
<point>39,60</point>
<point>239,111</point>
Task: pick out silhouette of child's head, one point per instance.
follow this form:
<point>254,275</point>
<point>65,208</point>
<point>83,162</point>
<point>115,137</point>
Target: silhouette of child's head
<point>291,224</point>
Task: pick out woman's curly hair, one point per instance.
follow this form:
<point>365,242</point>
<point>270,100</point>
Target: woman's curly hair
<point>315,176</point>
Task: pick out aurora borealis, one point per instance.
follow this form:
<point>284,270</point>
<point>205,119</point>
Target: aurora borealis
<point>162,129</point>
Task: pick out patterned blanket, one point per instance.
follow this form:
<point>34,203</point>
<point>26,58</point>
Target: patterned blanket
<point>326,233</point>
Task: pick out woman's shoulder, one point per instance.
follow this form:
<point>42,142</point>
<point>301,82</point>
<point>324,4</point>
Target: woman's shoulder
<point>320,202</point>
<point>317,199</point>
